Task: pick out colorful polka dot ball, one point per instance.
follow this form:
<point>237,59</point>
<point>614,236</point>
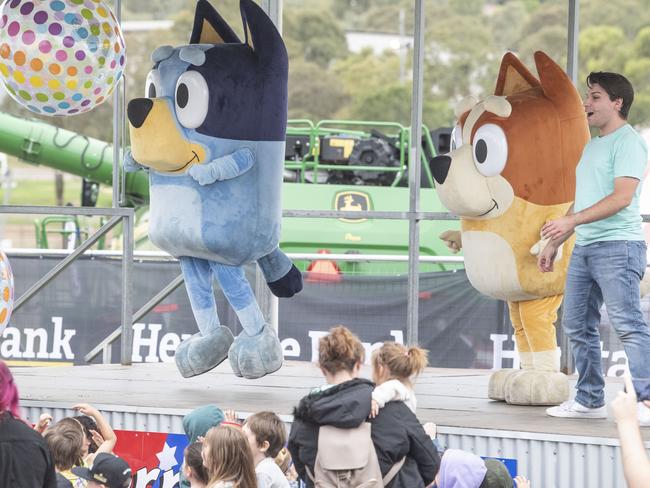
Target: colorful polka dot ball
<point>60,57</point>
<point>6,291</point>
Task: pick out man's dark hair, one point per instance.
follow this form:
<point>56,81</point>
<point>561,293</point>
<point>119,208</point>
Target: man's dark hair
<point>616,85</point>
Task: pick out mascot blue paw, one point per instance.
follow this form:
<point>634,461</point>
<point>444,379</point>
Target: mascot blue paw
<point>199,354</point>
<point>288,285</point>
<point>256,356</point>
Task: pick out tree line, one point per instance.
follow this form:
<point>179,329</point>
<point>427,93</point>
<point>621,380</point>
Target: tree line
<point>464,42</point>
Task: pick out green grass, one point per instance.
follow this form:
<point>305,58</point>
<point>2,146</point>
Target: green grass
<point>42,192</point>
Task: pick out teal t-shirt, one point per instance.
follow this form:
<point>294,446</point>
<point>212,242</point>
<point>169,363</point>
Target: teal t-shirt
<point>621,153</point>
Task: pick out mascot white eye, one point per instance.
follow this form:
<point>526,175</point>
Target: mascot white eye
<point>191,99</point>
<point>153,85</point>
<point>456,137</point>
<point>490,150</point>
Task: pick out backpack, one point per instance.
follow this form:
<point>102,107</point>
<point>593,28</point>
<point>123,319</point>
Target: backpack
<point>346,458</point>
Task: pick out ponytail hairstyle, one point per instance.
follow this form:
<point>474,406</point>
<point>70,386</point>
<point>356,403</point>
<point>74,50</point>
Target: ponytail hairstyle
<point>401,362</point>
<point>8,392</point>
<point>340,350</point>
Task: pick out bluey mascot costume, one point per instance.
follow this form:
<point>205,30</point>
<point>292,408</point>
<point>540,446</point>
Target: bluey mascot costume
<point>211,133</point>
<point>511,169</point>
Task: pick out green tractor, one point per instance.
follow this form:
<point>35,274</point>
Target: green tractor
<point>330,165</point>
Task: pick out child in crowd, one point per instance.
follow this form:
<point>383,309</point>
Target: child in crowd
<point>66,442</point>
<point>285,463</point>
<point>91,430</point>
<point>104,434</point>
<point>193,470</point>
<point>393,369</point>
<point>98,436</point>
<point>108,471</point>
<point>196,424</point>
<point>228,459</point>
<point>462,469</point>
<point>266,435</point>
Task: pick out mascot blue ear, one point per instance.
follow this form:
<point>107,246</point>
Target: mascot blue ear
<point>261,33</point>
<point>209,27</point>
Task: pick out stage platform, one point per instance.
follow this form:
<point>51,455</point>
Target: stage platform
<point>154,397</point>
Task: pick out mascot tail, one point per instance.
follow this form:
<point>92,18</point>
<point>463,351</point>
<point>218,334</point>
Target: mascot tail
<point>280,274</point>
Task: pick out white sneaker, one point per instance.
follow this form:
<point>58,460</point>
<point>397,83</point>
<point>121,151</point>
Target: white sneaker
<point>572,409</point>
<point>643,414</point>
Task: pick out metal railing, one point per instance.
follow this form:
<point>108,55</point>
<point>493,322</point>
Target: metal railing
<point>117,216</point>
<point>268,303</point>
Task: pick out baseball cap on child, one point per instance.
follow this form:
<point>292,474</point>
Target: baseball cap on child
<point>107,469</point>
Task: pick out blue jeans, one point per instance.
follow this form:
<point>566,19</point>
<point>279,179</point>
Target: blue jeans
<point>609,272</point>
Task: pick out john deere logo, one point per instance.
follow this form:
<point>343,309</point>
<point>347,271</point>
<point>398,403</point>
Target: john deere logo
<point>352,201</point>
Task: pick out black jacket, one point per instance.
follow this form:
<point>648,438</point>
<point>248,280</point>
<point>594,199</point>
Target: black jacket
<point>344,406</point>
<point>25,460</point>
<point>396,432</point>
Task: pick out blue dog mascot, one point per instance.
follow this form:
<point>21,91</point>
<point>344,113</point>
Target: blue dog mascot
<point>211,133</point>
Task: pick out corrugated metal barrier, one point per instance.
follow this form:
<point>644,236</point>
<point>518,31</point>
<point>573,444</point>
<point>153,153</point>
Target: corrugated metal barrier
<point>548,460</point>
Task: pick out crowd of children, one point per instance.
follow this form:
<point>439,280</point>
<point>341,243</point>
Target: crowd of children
<point>348,431</point>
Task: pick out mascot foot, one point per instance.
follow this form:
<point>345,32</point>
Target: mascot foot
<point>530,387</point>
<point>199,354</point>
<point>497,384</point>
<point>256,356</point>
<point>288,285</point>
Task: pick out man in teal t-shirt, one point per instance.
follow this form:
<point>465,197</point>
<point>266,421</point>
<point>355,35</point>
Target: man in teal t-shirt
<point>609,258</point>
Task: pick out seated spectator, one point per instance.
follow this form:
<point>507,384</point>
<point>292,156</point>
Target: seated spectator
<point>108,471</point>
<point>25,460</point>
<point>228,459</point>
<point>344,402</point>
<point>193,470</point>
<point>266,436</point>
<point>636,466</point>
<point>196,424</point>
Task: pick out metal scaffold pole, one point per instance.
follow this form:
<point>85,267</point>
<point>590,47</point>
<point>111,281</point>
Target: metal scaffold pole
<point>414,176</point>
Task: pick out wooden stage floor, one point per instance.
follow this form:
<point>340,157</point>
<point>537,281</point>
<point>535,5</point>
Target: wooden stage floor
<point>448,397</point>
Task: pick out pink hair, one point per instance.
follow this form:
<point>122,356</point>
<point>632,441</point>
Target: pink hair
<point>8,391</point>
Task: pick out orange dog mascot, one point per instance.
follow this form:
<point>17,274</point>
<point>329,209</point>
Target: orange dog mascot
<point>512,168</point>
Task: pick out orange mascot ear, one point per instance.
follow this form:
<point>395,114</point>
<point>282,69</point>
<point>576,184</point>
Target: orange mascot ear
<point>558,87</point>
<point>513,77</point>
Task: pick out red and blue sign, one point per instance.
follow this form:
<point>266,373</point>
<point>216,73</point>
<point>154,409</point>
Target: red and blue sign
<point>155,458</point>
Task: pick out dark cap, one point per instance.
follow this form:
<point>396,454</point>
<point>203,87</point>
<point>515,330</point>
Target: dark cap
<point>497,475</point>
<point>107,469</point>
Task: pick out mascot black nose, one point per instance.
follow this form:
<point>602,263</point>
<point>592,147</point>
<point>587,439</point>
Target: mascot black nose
<point>137,110</point>
<point>439,167</point>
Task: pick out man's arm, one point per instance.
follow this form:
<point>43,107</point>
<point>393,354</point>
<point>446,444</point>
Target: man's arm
<point>546,258</point>
<point>620,198</point>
